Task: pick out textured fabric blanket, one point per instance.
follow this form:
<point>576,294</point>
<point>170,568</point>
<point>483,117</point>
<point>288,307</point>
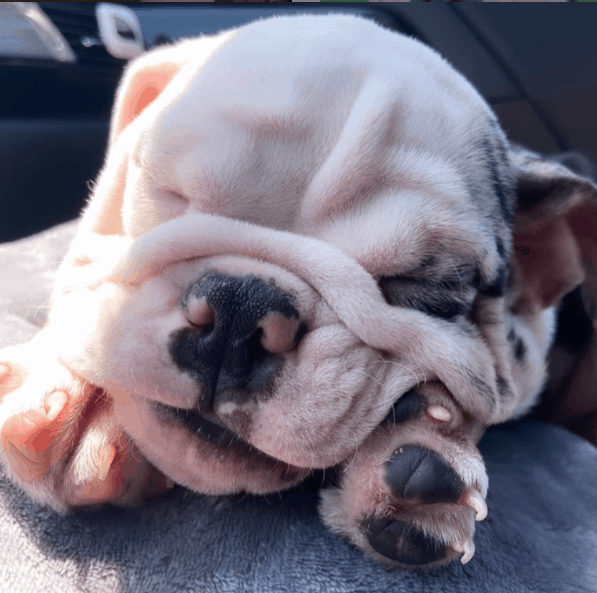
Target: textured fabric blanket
<point>540,535</point>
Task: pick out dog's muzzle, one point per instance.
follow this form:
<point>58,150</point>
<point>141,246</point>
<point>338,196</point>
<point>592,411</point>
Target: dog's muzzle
<point>240,327</point>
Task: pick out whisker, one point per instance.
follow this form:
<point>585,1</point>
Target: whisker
<point>360,371</point>
<point>356,452</point>
<point>393,362</point>
<point>459,279</point>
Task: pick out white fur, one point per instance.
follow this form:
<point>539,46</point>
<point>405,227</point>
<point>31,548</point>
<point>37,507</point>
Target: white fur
<point>317,152</point>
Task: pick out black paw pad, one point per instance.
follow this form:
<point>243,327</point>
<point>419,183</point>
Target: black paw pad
<point>403,543</point>
<point>410,405</point>
<point>416,473</point>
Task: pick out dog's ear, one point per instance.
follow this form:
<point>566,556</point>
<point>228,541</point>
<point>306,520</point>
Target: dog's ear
<point>555,239</point>
<point>555,230</point>
<point>149,85</point>
<point>143,81</point>
<point>101,235</point>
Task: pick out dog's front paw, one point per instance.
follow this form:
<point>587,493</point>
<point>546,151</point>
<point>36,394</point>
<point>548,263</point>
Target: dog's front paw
<point>412,492</point>
<point>58,438</point>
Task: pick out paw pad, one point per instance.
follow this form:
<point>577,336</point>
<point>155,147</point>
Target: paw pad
<point>412,494</point>
<point>27,437</point>
<point>403,543</point>
<point>416,473</point>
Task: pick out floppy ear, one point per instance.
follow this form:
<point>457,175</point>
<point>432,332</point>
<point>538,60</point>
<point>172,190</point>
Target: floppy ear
<point>555,252</point>
<point>101,235</point>
<point>555,231</point>
<point>143,82</point>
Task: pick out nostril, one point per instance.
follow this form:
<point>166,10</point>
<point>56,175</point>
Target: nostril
<point>255,351</point>
<point>235,330</point>
<point>204,330</point>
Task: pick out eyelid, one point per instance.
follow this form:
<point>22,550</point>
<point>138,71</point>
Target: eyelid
<point>445,298</point>
<point>171,194</point>
<point>464,275</point>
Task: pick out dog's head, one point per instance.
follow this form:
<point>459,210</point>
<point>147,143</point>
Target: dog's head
<point>299,221</point>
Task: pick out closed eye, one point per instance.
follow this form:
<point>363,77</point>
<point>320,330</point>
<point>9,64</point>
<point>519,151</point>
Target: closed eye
<point>444,297</point>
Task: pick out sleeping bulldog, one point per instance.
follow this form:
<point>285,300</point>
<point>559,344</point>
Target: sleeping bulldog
<point>310,247</point>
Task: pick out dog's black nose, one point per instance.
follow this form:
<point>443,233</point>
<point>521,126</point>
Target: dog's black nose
<point>239,326</point>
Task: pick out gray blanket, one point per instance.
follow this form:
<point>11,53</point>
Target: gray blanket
<point>540,535</point>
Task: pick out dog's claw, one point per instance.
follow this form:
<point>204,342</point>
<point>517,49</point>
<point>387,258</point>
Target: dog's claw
<point>439,413</point>
<point>475,501</point>
<point>469,551</point>
<point>432,479</point>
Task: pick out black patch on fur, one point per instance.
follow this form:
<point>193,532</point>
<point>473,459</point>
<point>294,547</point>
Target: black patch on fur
<point>402,542</point>
<point>577,163</point>
<point>485,391</point>
<point>534,190</point>
<point>411,405</point>
<point>548,191</point>
<point>496,153</point>
<point>511,335</point>
<point>426,263</point>
<point>445,297</point>
<point>499,286</point>
<point>419,474</point>
<point>502,387</point>
<point>519,350</point>
<point>501,249</point>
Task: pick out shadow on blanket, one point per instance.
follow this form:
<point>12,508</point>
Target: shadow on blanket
<point>540,535</point>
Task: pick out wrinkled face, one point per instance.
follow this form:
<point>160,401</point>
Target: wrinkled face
<point>310,271</point>
<point>230,355</point>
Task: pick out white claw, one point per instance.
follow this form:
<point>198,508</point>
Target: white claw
<point>475,501</point>
<point>469,551</point>
<point>439,413</point>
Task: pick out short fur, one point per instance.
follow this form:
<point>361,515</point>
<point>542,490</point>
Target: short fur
<point>370,183</point>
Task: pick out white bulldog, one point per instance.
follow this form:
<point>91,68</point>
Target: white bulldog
<point>311,246</point>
